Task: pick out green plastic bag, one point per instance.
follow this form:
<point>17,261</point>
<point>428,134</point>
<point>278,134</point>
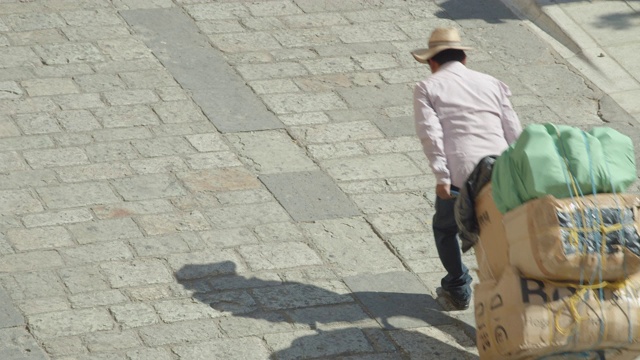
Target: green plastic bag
<point>562,161</point>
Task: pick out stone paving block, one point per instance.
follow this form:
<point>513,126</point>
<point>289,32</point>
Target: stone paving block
<point>252,146</point>
<point>70,53</point>
<point>396,126</point>
<point>121,66</point>
<point>18,56</point>
<point>10,90</point>
<point>11,161</point>
<point>276,86</point>
<point>108,135</point>
<point>278,256</point>
<point>205,263</point>
<point>30,261</point>
<point>240,42</point>
<point>289,103</point>
<point>67,139</point>
<point>285,231</point>
<point>160,245</point>
<point>163,146</point>
<point>43,305</point>
<point>9,315</point>
<point>93,33</point>
<point>125,49</point>
<point>71,345</point>
<point>83,278</point>
<point>48,87</point>
<point>173,93</point>
<point>371,167</point>
<point>246,215</point>
<point>111,151</point>
<point>178,112</point>
<point>146,79</point>
<point>8,128</point>
<point>79,101</point>
<point>99,82</point>
<point>131,97</point>
<point>286,55</point>
<point>352,246</point>
<point>95,299</point>
<point>224,98</point>
<point>207,142</point>
<point>337,150</point>
<point>136,273</point>
<point>396,223</point>
<point>32,284</point>
<point>232,349</point>
<point>217,11</point>
<point>126,116</point>
<point>18,343</point>
<point>310,343</point>
<point>257,325</point>
<point>50,237</point>
<point>99,171</point>
<point>171,311</point>
<point>330,66</point>
<point>309,196</point>
<point>336,132</point>
<point>132,208</point>
<point>391,298</point>
<point>15,73</point>
<point>27,105</point>
<point>33,21</point>
<point>134,315</point>
<point>105,230</point>
<point>220,26</point>
<point>296,38</point>
<point>244,197</point>
<point>317,20</point>
<point>219,180</point>
<point>56,157</point>
<point>332,317</point>
<point>70,322</point>
<point>378,96</point>
<point>381,203</point>
<point>448,340</point>
<point>99,17</point>
<point>219,239</point>
<point>95,253</point>
<point>157,165</point>
<point>180,332</point>
<point>146,187</point>
<point>37,123</point>
<point>142,4</point>
<point>296,295</point>
<point>111,341</point>
<point>62,70</point>
<point>222,159</point>
<point>175,222</point>
<point>18,202</point>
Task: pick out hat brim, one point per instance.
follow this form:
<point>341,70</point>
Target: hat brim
<point>423,55</point>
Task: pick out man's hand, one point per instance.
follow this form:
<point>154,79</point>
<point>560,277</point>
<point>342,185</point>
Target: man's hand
<point>444,191</point>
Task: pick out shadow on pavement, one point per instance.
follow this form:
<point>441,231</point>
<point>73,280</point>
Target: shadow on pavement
<point>330,320</point>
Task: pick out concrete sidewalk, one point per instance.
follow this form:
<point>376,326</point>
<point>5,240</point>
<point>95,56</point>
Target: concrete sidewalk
<point>599,38</point>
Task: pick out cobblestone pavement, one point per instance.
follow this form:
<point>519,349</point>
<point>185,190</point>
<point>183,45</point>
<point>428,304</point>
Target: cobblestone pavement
<point>200,179</point>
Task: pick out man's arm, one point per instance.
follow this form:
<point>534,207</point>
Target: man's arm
<point>510,122</point>
<point>429,131</point>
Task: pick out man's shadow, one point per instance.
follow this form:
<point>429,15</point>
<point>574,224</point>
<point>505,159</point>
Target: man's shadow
<point>338,321</point>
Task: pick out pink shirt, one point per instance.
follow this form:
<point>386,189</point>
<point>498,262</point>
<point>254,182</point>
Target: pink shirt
<point>461,116</point>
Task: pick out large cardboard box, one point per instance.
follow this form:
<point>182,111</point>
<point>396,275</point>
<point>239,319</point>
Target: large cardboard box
<point>492,249</point>
<point>520,318</point>
<point>565,239</point>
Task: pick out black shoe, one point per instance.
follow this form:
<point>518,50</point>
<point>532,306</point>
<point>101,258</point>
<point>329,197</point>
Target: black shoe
<point>458,302</point>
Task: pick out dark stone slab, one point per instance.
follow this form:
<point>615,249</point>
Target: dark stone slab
<point>200,68</point>
<point>396,126</point>
<point>398,300</point>
<point>309,195</point>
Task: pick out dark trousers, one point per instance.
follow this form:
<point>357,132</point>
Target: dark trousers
<point>445,230</point>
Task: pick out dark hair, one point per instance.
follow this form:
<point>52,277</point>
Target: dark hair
<point>447,55</point>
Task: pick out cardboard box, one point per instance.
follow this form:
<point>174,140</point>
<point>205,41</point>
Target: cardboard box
<point>492,249</point>
<point>550,238</point>
<point>520,318</point>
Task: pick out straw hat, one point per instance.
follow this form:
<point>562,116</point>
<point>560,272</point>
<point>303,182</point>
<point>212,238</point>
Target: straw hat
<point>441,39</point>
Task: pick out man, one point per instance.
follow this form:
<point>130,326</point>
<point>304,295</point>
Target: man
<point>461,116</point>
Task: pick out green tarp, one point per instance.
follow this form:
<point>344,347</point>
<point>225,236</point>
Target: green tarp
<point>562,161</point>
